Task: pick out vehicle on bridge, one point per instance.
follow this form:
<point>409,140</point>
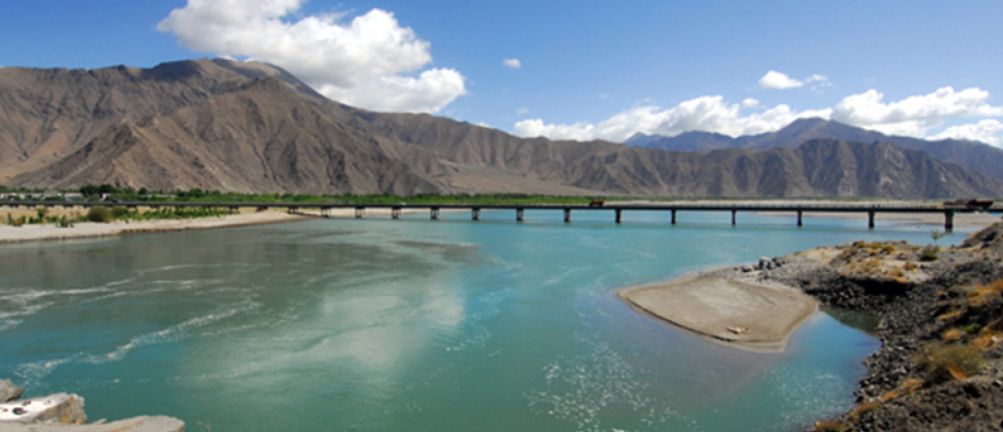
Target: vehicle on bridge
<point>597,203</point>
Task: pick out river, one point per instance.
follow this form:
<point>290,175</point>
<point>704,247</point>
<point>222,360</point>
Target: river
<point>419,325</point>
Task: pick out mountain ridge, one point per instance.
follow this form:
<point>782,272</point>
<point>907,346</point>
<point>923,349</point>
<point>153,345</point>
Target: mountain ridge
<point>969,154</point>
<point>253,127</point>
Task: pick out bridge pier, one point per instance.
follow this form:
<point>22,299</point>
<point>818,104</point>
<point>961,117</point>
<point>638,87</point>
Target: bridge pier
<point>619,215</point>
<point>870,219</point>
<point>435,213</point>
<point>520,214</point>
<point>949,220</point>
<point>567,215</point>
<point>360,212</point>
<point>800,224</point>
<point>475,213</point>
<point>673,216</point>
<point>733,217</point>
<point>325,212</point>
<point>395,212</point>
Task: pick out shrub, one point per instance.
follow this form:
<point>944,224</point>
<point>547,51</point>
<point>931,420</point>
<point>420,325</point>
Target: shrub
<point>99,214</point>
<point>119,211</point>
<point>64,223</point>
<point>946,362</point>
<point>929,253</point>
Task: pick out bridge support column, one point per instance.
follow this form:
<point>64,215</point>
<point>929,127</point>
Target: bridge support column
<point>733,215</point>
<point>325,212</point>
<point>619,215</point>
<point>870,219</point>
<point>520,214</point>
<point>949,221</point>
<point>475,214</point>
<point>673,217</point>
<point>435,213</point>
<point>360,212</point>
<point>395,212</point>
<point>567,215</point>
<point>800,224</point>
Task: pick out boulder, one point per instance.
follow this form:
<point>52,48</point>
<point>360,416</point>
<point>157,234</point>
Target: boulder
<point>9,391</point>
<point>136,424</point>
<point>61,408</point>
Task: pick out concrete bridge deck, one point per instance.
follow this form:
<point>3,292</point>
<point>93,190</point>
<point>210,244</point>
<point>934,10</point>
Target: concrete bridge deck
<point>434,209</point>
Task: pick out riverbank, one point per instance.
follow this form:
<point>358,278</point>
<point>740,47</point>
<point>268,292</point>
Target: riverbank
<point>79,230</point>
<point>39,232</point>
<point>940,366</point>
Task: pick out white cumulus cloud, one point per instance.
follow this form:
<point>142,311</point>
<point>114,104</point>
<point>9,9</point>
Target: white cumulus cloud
<point>369,62</point>
<point>777,80</point>
<point>707,113</point>
<point>512,63</point>
<point>914,116</point>
<point>987,131</point>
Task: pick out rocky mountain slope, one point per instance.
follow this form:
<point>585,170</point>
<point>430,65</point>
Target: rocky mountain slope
<point>974,155</point>
<point>252,127</point>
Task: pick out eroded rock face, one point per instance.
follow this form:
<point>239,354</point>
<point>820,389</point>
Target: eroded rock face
<point>136,424</point>
<point>9,392</point>
<point>60,408</point>
<point>65,412</point>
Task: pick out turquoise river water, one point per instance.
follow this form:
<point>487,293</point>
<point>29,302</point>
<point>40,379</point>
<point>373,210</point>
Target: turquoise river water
<point>418,325</point>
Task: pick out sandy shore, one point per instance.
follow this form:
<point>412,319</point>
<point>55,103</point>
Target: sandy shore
<point>753,317</point>
<point>26,233</point>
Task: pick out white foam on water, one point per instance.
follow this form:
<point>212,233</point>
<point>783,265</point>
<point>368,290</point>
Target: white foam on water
<point>171,334</point>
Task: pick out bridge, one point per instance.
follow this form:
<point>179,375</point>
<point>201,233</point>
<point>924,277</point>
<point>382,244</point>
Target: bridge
<point>396,210</point>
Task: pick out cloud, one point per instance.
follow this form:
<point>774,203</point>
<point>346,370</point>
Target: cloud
<point>522,111</point>
<point>818,83</point>
<point>914,116</point>
<point>368,62</point>
<point>987,131</point>
<point>777,80</point>
<point>512,63</point>
<point>707,113</point>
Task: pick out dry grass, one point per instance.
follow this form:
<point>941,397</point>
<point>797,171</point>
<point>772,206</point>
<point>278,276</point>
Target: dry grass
<point>987,339</point>
<point>983,294</point>
<point>910,266</point>
<point>946,362</point>
<point>951,315</point>
<point>829,426</point>
<point>953,334</point>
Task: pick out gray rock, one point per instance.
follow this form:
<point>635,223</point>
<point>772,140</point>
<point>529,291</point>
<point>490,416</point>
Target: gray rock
<point>746,268</point>
<point>136,424</point>
<point>9,391</point>
<point>763,261</point>
<point>58,408</point>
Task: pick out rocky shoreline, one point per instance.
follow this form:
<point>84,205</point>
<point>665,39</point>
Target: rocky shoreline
<point>65,412</point>
<point>940,366</point>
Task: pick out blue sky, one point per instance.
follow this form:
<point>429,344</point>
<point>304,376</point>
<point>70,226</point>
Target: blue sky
<point>588,69</point>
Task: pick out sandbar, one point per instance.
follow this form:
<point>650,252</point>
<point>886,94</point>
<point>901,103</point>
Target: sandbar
<point>743,315</point>
<point>28,233</point>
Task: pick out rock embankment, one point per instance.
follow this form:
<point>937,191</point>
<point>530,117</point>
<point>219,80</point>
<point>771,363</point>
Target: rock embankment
<point>941,309</point>
<point>63,412</point>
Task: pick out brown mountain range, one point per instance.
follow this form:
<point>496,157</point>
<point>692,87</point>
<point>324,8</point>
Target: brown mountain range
<point>969,154</point>
<point>252,127</point>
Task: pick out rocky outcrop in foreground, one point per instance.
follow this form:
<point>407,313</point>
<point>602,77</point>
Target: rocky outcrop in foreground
<point>63,412</point>
<point>941,309</point>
